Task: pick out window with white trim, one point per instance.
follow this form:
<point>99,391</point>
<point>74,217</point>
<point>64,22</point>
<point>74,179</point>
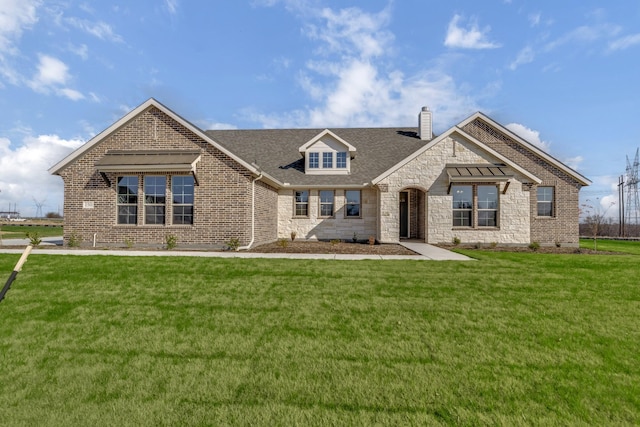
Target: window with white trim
<point>327,160</point>
<point>326,203</point>
<point>462,205</point>
<point>545,201</point>
<point>487,206</point>
<point>341,160</point>
<point>314,160</point>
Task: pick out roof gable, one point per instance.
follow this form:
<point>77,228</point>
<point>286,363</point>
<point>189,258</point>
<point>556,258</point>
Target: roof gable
<point>151,102</point>
<point>527,145</point>
<point>327,136</point>
<point>445,135</point>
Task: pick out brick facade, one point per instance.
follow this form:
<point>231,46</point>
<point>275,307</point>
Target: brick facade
<point>562,227</point>
<point>222,198</point>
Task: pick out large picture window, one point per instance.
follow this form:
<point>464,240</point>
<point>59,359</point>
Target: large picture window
<point>301,203</point>
<point>182,192</point>
<point>154,199</point>
<point>475,205</point>
<point>326,203</point>
<point>545,201</point>
<point>352,203</point>
<point>127,189</point>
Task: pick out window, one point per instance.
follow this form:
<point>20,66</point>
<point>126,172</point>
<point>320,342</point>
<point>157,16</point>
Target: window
<point>326,203</point>
<point>462,205</point>
<point>327,160</point>
<point>545,201</point>
<point>314,162</point>
<point>471,202</point>
<point>301,203</point>
<point>487,206</point>
<point>341,160</point>
<point>352,200</point>
<point>127,200</point>
<point>154,199</point>
<point>182,192</point>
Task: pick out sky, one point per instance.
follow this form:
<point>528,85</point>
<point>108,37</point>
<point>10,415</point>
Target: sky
<point>563,75</point>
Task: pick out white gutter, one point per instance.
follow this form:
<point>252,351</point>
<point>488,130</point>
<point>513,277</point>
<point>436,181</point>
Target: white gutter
<point>253,214</point>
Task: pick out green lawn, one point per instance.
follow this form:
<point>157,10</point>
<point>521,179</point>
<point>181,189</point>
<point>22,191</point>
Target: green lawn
<point>510,339</point>
<point>9,231</point>
<point>631,247</point>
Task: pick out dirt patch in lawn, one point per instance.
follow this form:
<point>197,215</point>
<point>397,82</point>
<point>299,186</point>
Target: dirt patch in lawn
<point>301,247</point>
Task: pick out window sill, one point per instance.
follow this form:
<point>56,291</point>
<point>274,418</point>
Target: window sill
<point>476,228</point>
<point>545,218</point>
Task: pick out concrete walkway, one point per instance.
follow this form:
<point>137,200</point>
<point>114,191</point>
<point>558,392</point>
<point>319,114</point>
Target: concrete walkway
<point>424,251</point>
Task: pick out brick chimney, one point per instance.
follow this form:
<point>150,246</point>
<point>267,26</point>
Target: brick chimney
<point>424,125</point>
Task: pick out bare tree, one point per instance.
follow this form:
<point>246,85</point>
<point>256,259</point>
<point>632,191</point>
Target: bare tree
<point>596,218</point>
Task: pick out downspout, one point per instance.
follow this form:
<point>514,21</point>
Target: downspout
<point>253,214</point>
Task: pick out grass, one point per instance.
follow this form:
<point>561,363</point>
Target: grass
<point>630,247</point>
<point>512,339</point>
<point>19,232</point>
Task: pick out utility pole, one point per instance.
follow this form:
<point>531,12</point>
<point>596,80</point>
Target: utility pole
<point>621,205</point>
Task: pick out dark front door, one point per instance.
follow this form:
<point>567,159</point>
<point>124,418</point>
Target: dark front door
<point>404,214</point>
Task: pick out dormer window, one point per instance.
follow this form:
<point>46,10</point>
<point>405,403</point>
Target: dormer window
<point>314,160</point>
<point>327,160</point>
<point>327,154</point>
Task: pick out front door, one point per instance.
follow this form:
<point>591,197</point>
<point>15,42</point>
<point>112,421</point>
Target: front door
<point>404,214</point>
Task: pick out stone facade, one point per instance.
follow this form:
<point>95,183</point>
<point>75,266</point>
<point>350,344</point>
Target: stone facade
<point>315,227</point>
<point>427,174</point>
<point>222,198</point>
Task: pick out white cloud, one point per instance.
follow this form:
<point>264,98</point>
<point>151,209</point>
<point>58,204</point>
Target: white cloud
<point>23,171</point>
<point>573,162</point>
<point>530,135</point>
<point>625,42</point>
<point>99,29</point>
<point>468,38</point>
<point>525,56</point>
<point>534,19</point>
<point>15,16</point>
<point>352,82</point>
<point>52,76</point>
<point>352,30</point>
<point>585,34</point>
<point>172,6</point>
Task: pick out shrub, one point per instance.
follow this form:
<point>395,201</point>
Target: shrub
<point>74,240</point>
<point>233,244</point>
<point>335,241</point>
<point>355,237</point>
<point>34,238</point>
<point>534,246</point>
<point>128,243</point>
<point>293,235</point>
<point>493,245</point>
<point>283,243</point>
<point>456,240</point>
<point>171,241</point>
<point>478,245</point>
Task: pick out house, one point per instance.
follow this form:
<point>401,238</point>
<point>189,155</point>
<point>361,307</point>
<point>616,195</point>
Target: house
<point>152,174</point>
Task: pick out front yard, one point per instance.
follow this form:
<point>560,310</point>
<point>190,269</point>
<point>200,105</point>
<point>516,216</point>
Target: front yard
<point>512,339</point>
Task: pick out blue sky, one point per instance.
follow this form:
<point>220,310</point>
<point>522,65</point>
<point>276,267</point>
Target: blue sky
<point>564,75</point>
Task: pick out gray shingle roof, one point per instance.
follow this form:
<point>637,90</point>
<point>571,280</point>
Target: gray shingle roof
<point>275,151</point>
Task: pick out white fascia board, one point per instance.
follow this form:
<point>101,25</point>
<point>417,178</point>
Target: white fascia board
<point>544,155</point>
<point>319,136</point>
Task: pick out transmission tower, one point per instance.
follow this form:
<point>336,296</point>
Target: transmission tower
<point>39,205</point>
<point>632,208</point>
